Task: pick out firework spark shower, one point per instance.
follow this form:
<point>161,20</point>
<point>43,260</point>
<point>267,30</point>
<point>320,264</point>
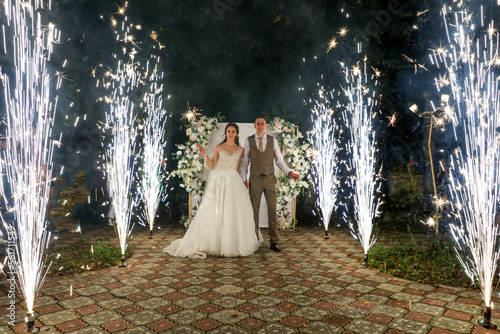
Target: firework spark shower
<point>324,138</point>
<point>470,61</point>
<point>361,145</point>
<point>153,144</point>
<point>27,158</point>
<point>120,159</point>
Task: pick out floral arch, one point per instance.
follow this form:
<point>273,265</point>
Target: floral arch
<point>191,170</point>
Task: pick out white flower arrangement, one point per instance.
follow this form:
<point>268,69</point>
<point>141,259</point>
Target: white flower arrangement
<point>190,165</point>
<point>295,155</point>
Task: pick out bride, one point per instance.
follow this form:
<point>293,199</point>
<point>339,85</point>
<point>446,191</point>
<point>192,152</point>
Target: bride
<point>224,224</point>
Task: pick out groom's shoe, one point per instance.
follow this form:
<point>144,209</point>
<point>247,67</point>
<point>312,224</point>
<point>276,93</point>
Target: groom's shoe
<point>275,247</point>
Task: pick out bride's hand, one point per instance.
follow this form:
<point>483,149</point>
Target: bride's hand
<point>201,150</point>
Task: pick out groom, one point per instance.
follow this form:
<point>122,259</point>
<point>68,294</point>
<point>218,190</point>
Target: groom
<point>261,151</point>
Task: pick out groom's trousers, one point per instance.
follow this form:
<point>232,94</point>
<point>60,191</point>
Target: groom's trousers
<point>266,184</point>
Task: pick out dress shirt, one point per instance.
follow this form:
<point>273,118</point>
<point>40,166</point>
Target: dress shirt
<point>278,158</point>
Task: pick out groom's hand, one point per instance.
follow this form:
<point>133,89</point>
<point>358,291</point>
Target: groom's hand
<point>246,184</point>
<point>294,176</point>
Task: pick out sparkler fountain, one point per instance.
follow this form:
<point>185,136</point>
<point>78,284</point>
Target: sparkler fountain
<point>470,61</point>
<point>324,137</point>
<point>154,142</point>
<point>27,158</point>
<point>119,157</point>
<point>358,116</point>
<point>120,160</point>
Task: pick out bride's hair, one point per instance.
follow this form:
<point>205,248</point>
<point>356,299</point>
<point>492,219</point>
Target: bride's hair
<point>237,138</point>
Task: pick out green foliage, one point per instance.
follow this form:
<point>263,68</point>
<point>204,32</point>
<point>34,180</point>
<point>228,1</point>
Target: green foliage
<point>409,186</point>
<point>72,196</point>
<point>79,258</point>
<point>432,262</point>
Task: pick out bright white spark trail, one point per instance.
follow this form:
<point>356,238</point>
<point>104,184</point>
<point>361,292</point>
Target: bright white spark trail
<point>27,158</point>
<point>358,116</point>
<point>324,137</point>
<point>470,60</point>
<point>153,146</point>
<point>120,158</point>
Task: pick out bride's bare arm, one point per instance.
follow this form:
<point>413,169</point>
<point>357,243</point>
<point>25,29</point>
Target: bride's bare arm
<point>211,162</point>
<point>240,162</point>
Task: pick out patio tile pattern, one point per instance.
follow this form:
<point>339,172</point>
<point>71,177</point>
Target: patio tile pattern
<point>312,286</point>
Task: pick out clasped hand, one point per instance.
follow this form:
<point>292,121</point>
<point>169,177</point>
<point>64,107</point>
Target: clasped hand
<point>294,176</point>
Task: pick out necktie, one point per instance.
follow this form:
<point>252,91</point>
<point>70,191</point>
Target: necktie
<point>260,145</point>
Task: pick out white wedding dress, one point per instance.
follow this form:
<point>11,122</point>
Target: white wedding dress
<point>224,223</point>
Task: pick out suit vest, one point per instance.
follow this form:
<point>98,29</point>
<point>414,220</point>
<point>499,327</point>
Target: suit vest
<point>261,163</point>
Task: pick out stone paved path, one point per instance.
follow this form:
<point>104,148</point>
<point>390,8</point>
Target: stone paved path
<point>313,286</point>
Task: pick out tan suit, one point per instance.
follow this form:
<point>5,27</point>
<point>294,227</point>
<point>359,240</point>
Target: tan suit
<point>262,179</point>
